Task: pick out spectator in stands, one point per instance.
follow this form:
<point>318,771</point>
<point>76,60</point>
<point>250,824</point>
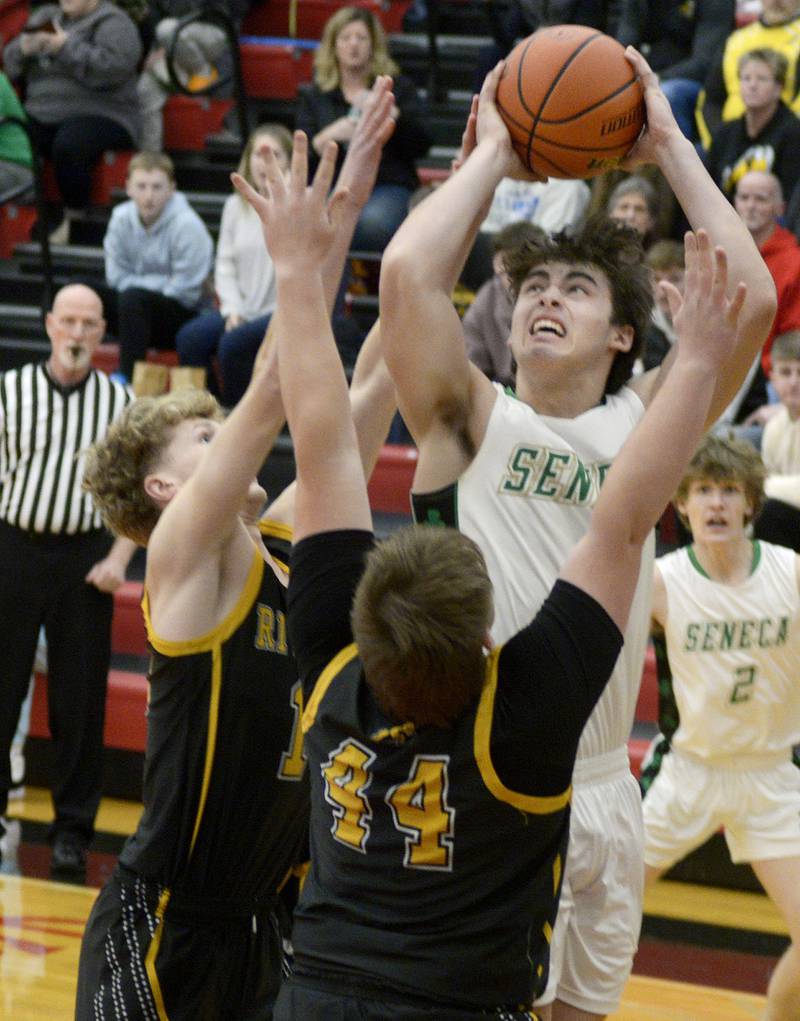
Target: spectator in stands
<point>59,564</point>
<point>634,202</point>
<point>553,205</point>
<point>766,136</point>
<point>509,22</point>
<point>779,520</point>
<point>198,48</point>
<point>350,56</point>
<point>244,278</point>
<point>78,61</point>
<point>759,202</point>
<point>778,28</point>
<point>487,322</point>
<point>679,41</point>
<point>16,159</point>
<point>666,262</point>
<point>158,259</point>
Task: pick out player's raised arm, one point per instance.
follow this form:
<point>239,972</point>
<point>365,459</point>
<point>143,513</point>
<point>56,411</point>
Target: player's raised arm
<point>423,340</point>
<point>707,209</point>
<point>373,402</point>
<point>300,225</point>
<point>647,471</point>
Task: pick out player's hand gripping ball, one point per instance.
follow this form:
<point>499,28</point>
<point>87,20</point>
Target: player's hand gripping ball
<point>571,101</point>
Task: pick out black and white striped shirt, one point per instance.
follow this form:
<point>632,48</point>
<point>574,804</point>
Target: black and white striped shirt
<point>42,429</point>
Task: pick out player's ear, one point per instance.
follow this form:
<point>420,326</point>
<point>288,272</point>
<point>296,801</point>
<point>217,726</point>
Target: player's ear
<point>621,338</point>
<point>160,488</point>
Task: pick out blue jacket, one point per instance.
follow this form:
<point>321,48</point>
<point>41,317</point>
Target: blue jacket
<point>173,256</point>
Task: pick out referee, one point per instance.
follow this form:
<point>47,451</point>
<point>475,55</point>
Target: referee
<point>59,565</point>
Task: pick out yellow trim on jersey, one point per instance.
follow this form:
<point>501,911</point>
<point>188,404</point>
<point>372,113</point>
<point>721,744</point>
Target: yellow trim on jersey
<point>211,738</point>
<point>280,563</point>
<point>223,630</point>
<point>152,953</point>
<point>277,529</point>
<point>339,661</point>
<point>483,732</point>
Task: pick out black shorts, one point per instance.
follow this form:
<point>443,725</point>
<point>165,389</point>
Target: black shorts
<point>140,967</point>
<point>300,1002</point>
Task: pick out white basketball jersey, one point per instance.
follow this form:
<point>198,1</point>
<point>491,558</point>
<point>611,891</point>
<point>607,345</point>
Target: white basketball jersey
<point>526,499</point>
<point>734,652</point>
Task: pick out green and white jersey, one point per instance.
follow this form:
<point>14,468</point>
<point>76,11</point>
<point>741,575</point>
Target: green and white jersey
<point>526,499</point>
<point>734,653</point>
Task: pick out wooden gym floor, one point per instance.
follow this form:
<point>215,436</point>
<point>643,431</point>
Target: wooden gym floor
<point>705,954</point>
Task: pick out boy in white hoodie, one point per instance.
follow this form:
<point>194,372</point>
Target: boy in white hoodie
<point>158,257</point>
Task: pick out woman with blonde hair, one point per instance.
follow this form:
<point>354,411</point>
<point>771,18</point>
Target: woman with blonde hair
<point>351,55</point>
<point>244,279</point>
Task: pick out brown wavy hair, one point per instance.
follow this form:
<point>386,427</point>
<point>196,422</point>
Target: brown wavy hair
<point>617,251</point>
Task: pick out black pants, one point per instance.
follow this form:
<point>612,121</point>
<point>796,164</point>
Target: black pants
<point>202,968</point>
<point>74,146</point>
<point>146,319</point>
<point>42,583</point>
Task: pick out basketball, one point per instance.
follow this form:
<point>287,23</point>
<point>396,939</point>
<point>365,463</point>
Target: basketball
<point>571,101</point>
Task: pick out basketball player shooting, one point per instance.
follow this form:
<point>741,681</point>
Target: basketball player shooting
<point>520,474</point>
<point>437,825</point>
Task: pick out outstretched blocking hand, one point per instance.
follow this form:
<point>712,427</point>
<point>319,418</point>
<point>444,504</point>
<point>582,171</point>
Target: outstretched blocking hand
<point>660,125</point>
<point>299,221</point>
<point>705,319</point>
<point>373,131</point>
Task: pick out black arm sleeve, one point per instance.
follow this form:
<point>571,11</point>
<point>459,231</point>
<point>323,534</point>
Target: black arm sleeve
<point>326,568</point>
<point>550,676</point>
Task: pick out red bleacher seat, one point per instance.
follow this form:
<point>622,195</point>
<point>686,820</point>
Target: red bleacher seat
<point>647,705</point>
<point>188,120</point>
<point>110,172</point>
<point>127,627</point>
<point>13,15</point>
<point>16,223</point>
<point>432,175</point>
<point>637,749</point>
<point>126,705</point>
<point>274,67</point>
<point>391,480</point>
<point>106,357</point>
<point>272,17</point>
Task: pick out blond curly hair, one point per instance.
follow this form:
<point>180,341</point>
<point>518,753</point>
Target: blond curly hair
<point>117,466</point>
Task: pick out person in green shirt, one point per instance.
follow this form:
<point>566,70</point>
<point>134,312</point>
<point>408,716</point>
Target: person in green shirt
<point>16,159</point>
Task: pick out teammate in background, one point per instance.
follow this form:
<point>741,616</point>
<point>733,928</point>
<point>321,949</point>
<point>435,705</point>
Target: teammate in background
<point>519,474</point>
<point>440,775</point>
<point>188,926</point>
<point>729,608</point>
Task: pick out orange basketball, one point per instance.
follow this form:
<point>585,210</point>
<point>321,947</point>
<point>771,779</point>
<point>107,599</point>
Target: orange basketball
<point>572,102</point>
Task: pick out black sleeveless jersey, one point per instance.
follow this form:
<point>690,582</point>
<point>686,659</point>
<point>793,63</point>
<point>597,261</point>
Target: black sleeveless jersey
<point>437,854</point>
<point>412,810</point>
<point>225,784</point>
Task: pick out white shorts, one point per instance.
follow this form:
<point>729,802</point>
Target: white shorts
<point>596,934</point>
<point>759,807</point>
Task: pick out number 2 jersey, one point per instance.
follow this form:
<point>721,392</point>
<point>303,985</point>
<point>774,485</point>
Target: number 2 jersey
<point>526,500</point>
<point>437,854</point>
<point>734,655</point>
